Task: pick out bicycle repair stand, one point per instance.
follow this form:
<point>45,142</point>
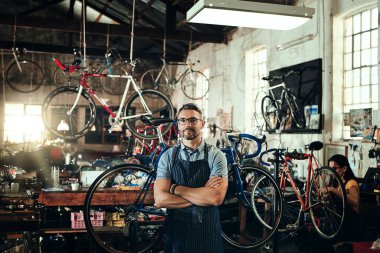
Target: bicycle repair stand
<point>276,155</point>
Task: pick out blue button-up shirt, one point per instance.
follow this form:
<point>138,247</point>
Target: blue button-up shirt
<point>216,160</point>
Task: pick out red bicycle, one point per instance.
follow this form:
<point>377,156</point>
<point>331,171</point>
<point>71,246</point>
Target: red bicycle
<point>326,209</point>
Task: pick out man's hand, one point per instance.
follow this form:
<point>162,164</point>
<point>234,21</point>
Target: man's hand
<point>214,182</point>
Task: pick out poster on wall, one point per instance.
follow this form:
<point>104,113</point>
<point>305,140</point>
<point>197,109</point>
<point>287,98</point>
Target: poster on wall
<point>354,154</point>
<point>360,122</point>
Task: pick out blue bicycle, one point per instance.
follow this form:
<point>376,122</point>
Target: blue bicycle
<point>241,228</point>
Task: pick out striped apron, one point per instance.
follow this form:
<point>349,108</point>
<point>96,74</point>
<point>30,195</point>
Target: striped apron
<point>194,229</point>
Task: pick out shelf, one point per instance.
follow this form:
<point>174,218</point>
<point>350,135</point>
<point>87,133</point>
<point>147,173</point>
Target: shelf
<point>101,198</point>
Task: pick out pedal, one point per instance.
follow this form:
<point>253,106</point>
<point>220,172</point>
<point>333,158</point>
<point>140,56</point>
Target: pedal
<point>291,227</point>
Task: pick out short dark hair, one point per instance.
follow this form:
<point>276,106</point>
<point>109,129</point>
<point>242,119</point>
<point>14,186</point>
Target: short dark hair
<point>190,106</point>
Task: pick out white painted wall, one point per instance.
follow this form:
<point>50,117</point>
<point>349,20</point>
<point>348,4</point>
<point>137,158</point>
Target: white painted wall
<point>227,70</point>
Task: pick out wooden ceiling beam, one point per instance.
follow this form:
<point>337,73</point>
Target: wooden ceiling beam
<point>59,49</point>
<point>104,29</point>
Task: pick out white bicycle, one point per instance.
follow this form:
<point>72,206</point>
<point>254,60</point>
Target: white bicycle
<point>194,84</point>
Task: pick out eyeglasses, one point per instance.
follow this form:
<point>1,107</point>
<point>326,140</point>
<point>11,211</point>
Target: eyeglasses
<point>192,121</point>
<point>335,168</point>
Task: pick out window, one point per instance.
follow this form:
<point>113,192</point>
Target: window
<point>360,63</point>
<point>22,123</point>
<point>99,132</point>
<point>255,88</point>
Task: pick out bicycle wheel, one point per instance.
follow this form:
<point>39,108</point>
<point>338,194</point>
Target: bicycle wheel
<point>270,113</point>
<point>148,81</point>
<point>113,86</point>
<point>195,85</point>
<point>28,78</point>
<point>326,208</point>
<point>63,78</point>
<point>55,108</point>
<point>158,104</point>
<point>241,225</point>
<point>119,211</point>
<point>297,115</point>
<point>291,208</point>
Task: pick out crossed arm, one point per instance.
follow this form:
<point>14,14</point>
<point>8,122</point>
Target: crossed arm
<point>212,193</point>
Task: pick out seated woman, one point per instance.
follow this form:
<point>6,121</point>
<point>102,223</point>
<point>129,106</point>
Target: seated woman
<point>351,230</point>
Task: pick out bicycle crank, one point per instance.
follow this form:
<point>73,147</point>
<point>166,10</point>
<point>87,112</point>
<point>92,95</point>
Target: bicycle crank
<point>115,122</point>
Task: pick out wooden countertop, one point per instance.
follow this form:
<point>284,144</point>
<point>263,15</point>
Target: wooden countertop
<point>103,197</point>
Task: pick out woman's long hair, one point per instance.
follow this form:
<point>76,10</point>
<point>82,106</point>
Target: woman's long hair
<point>342,161</point>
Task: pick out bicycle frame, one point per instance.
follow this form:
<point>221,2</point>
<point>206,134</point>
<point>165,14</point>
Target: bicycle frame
<point>116,116</point>
<point>165,69</point>
<point>233,163</point>
<point>310,175</point>
<point>154,157</point>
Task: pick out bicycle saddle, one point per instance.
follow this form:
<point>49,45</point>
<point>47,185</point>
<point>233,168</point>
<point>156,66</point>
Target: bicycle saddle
<point>315,146</point>
<point>155,121</point>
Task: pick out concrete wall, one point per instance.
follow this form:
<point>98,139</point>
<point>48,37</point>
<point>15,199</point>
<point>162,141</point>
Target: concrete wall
<point>227,71</point>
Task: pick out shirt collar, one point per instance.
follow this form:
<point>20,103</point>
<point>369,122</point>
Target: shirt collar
<point>199,148</point>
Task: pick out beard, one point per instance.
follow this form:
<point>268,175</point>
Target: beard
<point>189,134</point>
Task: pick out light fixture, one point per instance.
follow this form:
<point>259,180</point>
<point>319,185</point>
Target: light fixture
<point>295,42</point>
<point>63,126</point>
<point>249,14</point>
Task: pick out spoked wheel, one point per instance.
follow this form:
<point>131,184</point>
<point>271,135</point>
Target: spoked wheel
<point>241,225</point>
<point>270,113</point>
<point>150,80</point>
<point>113,86</point>
<point>64,78</point>
<point>327,207</point>
<point>291,209</point>
<point>55,113</point>
<point>159,106</point>
<point>116,218</point>
<point>26,77</point>
<point>195,85</point>
<point>297,115</point>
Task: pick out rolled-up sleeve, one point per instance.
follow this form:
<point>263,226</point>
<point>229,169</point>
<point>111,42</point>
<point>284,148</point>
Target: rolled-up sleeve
<point>163,170</point>
<point>218,163</point>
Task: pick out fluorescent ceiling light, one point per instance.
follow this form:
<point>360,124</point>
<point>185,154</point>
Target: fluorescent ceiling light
<point>249,14</point>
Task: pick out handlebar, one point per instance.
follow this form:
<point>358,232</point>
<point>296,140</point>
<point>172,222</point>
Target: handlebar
<point>296,155</point>
<point>282,78</point>
<point>278,153</point>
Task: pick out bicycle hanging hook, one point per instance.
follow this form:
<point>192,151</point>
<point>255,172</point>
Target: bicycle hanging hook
<point>132,31</point>
<point>14,32</point>
<point>164,46</point>
<point>84,33</point>
<point>108,39</point>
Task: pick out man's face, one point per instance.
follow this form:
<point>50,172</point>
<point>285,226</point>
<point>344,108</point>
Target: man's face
<point>190,124</point>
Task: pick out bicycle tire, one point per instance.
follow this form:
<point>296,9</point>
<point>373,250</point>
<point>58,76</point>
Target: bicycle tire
<point>270,113</point>
<point>55,107</point>
<point>325,206</point>
<point>28,80</point>
<point>148,81</point>
<point>123,223</point>
<point>113,86</point>
<point>297,115</point>
<point>64,78</point>
<point>290,211</point>
<point>246,231</point>
<point>158,104</point>
<point>195,85</point>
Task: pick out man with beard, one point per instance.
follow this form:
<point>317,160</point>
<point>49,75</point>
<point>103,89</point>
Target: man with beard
<point>191,183</point>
